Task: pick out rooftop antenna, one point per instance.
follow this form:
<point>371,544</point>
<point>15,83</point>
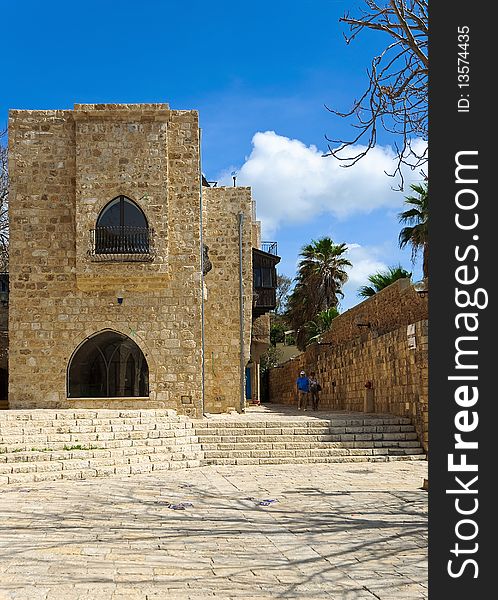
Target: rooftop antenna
<point>234,177</point>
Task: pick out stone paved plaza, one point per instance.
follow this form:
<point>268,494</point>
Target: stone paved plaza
<point>351,531</point>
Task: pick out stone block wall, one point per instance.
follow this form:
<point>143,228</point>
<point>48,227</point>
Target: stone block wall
<point>261,329</point>
<point>64,167</point>
<point>391,354</point>
<point>221,207</point>
<point>122,149</point>
<point>396,305</point>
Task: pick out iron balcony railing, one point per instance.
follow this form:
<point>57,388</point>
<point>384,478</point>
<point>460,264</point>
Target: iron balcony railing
<point>121,242</point>
<point>269,247</point>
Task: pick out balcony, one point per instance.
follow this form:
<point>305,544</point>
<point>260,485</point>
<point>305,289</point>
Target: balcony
<point>264,300</point>
<point>269,248</point>
<point>121,243</point>
<point>264,262</point>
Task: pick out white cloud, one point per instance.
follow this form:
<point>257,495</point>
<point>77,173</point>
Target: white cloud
<point>294,183</point>
<point>365,263</point>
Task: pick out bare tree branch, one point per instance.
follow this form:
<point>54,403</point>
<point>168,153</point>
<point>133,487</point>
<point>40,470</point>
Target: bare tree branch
<point>395,99</point>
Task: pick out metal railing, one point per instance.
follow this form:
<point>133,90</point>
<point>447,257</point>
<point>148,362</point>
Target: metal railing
<point>269,247</point>
<point>125,243</point>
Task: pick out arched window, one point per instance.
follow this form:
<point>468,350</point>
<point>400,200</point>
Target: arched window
<point>122,228</point>
<point>108,365</point>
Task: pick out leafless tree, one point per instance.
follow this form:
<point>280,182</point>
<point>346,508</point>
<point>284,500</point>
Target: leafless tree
<point>283,286</point>
<point>396,96</point>
<point>4,203</point>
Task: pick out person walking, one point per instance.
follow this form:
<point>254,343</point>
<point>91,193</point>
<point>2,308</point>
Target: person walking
<point>315,389</point>
<point>303,388</point>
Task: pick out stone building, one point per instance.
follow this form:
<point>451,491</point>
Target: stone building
<point>133,283</point>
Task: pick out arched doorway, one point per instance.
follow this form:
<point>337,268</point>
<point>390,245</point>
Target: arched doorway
<point>108,365</point>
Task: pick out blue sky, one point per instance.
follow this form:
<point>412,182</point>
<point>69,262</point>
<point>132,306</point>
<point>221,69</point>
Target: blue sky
<point>259,73</point>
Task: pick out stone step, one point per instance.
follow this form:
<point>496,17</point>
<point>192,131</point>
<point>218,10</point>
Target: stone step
<point>44,414</point>
<point>47,424</point>
<point>280,424</point>
<point>309,419</point>
<point>307,445</point>
<point>88,426</point>
<point>95,436</point>
<point>78,471</point>
<point>48,455</point>
<point>94,433</point>
<point>335,430</point>
<point>76,463</point>
<point>312,452</point>
<point>44,445</point>
<point>312,459</point>
<point>356,437</point>
<point>77,444</point>
<point>23,467</point>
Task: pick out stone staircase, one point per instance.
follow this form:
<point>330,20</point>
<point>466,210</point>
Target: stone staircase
<point>41,445</point>
<point>343,439</point>
<point>47,445</point>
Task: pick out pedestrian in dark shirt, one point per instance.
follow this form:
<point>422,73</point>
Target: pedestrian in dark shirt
<point>315,389</point>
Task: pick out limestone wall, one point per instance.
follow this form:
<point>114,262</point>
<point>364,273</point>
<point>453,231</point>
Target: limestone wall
<point>64,167</point>
<point>221,306</point>
<point>261,329</point>
<point>121,149</point>
<point>392,354</point>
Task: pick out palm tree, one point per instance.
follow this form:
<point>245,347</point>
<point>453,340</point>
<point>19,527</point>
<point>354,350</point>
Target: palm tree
<point>416,219</point>
<point>299,308</point>
<point>322,270</point>
<point>321,323</point>
<point>381,280</point>
<point>321,275</point>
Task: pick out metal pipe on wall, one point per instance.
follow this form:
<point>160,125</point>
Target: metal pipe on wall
<point>241,316</point>
<point>202,279</point>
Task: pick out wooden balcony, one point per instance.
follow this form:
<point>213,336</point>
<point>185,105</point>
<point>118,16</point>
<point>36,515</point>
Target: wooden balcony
<point>264,279</point>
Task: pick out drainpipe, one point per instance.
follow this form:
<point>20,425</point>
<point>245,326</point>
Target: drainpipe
<point>241,317</point>
<point>202,277</point>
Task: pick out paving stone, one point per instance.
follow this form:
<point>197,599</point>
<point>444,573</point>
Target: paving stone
<point>335,533</point>
<point>312,543</point>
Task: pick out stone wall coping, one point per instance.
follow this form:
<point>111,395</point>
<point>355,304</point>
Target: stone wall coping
<point>121,107</point>
<point>14,112</point>
<point>111,398</point>
<point>86,112</point>
<point>212,190</point>
<point>160,112</point>
<point>369,310</point>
